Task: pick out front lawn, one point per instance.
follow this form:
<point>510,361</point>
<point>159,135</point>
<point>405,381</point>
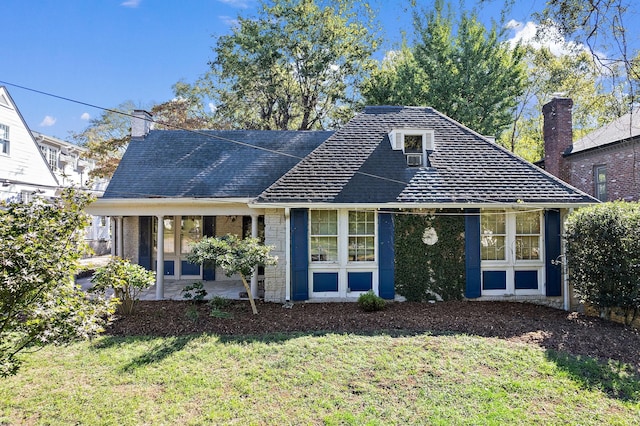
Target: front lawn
<point>317,378</point>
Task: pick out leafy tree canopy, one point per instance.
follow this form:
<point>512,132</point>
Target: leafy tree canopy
<point>40,245</point>
<point>470,74</point>
<point>296,65</point>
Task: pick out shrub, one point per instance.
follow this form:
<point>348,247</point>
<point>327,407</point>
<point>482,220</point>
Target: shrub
<point>218,302</point>
<point>603,254</point>
<point>194,292</point>
<point>126,279</point>
<point>371,302</point>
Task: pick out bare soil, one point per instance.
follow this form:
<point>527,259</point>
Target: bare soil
<point>549,328</point>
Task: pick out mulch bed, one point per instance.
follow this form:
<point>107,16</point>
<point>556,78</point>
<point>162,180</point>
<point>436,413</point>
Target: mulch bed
<point>554,329</point>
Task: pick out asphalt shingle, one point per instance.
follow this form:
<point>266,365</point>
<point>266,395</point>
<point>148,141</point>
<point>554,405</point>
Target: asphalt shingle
<point>357,165</point>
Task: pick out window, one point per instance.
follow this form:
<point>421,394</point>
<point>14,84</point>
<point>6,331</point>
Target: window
<point>413,144</point>
<point>169,237</point>
<point>190,232</point>
<point>493,233</point>
<point>51,155</point>
<point>519,231</point>
<point>362,236</point>
<point>600,179</point>
<point>4,139</point>
<point>324,235</point>
<point>527,236</point>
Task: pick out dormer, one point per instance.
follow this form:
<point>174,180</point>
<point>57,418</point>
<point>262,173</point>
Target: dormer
<point>416,145</point>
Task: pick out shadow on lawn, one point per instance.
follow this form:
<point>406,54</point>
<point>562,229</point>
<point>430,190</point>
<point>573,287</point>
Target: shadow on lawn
<point>615,379</point>
<point>157,353</point>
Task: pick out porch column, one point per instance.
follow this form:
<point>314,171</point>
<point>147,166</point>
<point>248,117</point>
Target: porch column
<point>254,277</point>
<point>160,259</point>
<point>120,249</point>
<point>112,234</point>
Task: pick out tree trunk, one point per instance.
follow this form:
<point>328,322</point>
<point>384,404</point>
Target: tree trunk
<point>246,286</point>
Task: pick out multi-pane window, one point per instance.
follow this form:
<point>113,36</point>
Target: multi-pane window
<point>190,232</point>
<point>361,236</point>
<point>323,235</point>
<point>493,234</point>
<point>600,178</point>
<point>169,236</point>
<point>4,139</point>
<point>514,235</point>
<point>527,236</point>
<point>51,155</point>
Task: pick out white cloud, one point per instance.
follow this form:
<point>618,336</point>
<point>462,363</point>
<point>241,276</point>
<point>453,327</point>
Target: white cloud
<point>212,107</point>
<point>531,34</point>
<point>228,20</point>
<point>48,121</point>
<point>131,3</point>
<point>85,116</point>
<point>240,4</point>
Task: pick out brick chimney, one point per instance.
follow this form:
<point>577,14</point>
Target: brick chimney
<point>141,123</point>
<point>558,135</point>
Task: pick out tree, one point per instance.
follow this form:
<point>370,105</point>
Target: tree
<point>234,255</point>
<point>603,26</point>
<point>40,244</point>
<point>472,75</point>
<point>297,65</point>
<point>106,138</point>
<point>572,74</point>
<point>603,254</point>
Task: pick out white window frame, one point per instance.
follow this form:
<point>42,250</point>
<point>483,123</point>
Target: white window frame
<point>598,193</point>
<point>397,138</point>
<point>4,140</point>
<point>510,264</point>
<point>343,266</point>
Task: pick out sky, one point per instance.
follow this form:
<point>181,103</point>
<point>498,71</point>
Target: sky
<point>106,52</point>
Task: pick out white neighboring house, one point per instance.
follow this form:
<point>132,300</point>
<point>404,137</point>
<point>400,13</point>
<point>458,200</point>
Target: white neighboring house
<point>37,165</point>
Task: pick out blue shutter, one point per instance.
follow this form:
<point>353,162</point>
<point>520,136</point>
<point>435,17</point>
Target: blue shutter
<point>299,254</point>
<point>209,230</point>
<point>386,253</point>
<point>144,241</point>
<point>552,251</point>
<point>472,253</point>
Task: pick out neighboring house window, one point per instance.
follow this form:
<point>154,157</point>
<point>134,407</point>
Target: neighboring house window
<point>324,235</point>
<point>362,234</point>
<point>51,155</point>
<point>26,196</point>
<point>190,232</point>
<point>4,139</point>
<point>600,179</point>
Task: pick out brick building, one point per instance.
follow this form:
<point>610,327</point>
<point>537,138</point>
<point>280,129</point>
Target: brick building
<point>605,163</point>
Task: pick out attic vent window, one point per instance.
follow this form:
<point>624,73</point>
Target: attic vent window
<point>416,145</point>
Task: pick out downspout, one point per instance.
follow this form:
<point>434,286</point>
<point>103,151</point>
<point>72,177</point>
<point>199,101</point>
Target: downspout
<point>287,254</point>
<point>565,267</point>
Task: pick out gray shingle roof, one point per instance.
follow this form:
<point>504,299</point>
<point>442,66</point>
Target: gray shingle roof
<point>624,128</point>
<point>357,165</point>
<point>178,163</point>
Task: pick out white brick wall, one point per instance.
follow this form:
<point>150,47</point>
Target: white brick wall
<point>130,237</point>
<point>275,235</point>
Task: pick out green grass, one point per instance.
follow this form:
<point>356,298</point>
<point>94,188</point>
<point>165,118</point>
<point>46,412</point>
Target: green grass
<point>328,379</point>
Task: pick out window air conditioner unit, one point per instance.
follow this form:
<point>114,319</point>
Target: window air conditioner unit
<point>414,160</point>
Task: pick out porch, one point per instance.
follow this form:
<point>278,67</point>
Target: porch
<point>228,289</point>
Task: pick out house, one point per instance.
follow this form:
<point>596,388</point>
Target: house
<point>24,173</point>
<point>605,163</point>
<point>348,211</point>
<point>36,165</point>
<point>71,166</point>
